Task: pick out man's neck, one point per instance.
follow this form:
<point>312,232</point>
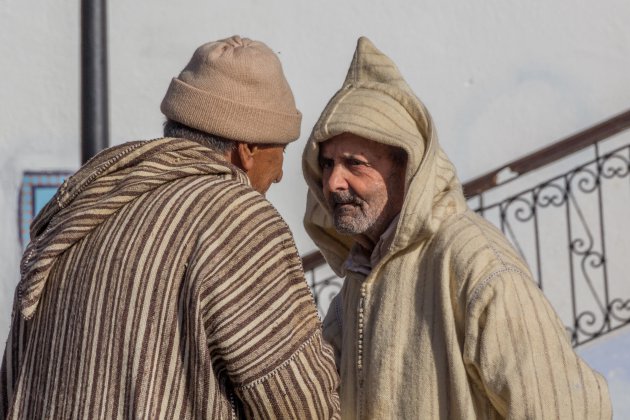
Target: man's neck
<point>383,240</point>
<point>365,241</point>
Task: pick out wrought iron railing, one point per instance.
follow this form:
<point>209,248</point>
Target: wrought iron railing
<point>573,228</point>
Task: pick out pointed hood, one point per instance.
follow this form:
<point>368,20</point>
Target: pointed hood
<point>105,184</point>
<point>376,103</point>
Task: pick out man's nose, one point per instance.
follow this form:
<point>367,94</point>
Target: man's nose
<point>336,179</point>
<point>279,177</point>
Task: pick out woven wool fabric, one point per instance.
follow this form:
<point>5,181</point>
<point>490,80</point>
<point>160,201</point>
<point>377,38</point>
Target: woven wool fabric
<point>159,284</point>
<point>448,324</point>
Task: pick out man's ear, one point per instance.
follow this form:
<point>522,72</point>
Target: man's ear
<point>245,153</point>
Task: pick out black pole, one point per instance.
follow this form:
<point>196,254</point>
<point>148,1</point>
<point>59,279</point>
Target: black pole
<point>94,110</point>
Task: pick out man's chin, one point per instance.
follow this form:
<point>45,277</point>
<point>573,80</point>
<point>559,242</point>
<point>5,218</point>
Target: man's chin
<point>347,225</point>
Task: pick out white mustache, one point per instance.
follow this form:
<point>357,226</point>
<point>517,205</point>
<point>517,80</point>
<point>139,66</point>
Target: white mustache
<point>344,197</point>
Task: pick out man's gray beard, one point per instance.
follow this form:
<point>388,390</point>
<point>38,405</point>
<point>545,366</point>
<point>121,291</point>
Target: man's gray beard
<point>345,224</point>
<point>351,225</point>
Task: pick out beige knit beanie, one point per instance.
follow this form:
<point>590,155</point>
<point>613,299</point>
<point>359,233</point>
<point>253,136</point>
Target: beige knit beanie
<point>235,88</point>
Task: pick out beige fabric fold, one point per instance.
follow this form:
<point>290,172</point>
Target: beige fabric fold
<point>448,324</point>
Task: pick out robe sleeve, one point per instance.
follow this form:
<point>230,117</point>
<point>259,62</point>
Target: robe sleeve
<point>518,354</point>
<point>262,325</point>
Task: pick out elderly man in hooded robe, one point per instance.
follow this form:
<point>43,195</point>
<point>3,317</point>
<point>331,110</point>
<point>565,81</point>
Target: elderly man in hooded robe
<point>438,316</point>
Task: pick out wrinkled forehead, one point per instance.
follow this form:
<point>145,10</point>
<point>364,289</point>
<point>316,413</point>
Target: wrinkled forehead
<point>352,144</point>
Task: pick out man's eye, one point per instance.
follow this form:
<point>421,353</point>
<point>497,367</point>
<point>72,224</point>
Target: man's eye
<point>325,163</point>
<point>355,162</point>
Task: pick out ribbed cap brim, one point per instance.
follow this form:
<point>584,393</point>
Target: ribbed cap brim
<point>220,116</point>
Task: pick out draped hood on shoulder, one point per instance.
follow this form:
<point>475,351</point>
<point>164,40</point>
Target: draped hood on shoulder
<point>376,103</point>
<point>105,184</point>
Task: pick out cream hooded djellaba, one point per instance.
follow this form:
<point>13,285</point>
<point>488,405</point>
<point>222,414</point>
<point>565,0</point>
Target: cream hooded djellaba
<point>447,323</point>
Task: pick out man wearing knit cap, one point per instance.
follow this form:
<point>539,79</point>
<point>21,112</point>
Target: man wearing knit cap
<point>438,316</point>
<point>160,283</point>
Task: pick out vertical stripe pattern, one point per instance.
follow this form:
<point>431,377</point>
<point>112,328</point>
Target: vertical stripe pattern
<point>165,287</point>
<point>448,324</point>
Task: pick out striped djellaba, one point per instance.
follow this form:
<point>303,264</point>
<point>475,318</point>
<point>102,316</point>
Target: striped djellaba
<point>441,319</point>
<point>159,284</point>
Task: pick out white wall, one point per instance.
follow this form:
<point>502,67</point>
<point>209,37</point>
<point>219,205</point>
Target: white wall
<point>501,78</point>
<point>39,117</point>
<point>610,356</point>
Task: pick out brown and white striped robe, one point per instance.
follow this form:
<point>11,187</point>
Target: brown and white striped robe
<point>159,284</point>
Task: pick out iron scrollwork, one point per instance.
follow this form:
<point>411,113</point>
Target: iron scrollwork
<point>324,289</point>
<point>594,311</point>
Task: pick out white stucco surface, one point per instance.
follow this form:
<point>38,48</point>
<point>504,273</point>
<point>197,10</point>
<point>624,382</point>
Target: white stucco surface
<point>610,356</point>
<point>501,78</point>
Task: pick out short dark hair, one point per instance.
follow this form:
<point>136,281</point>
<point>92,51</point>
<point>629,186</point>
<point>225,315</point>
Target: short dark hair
<point>217,143</point>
